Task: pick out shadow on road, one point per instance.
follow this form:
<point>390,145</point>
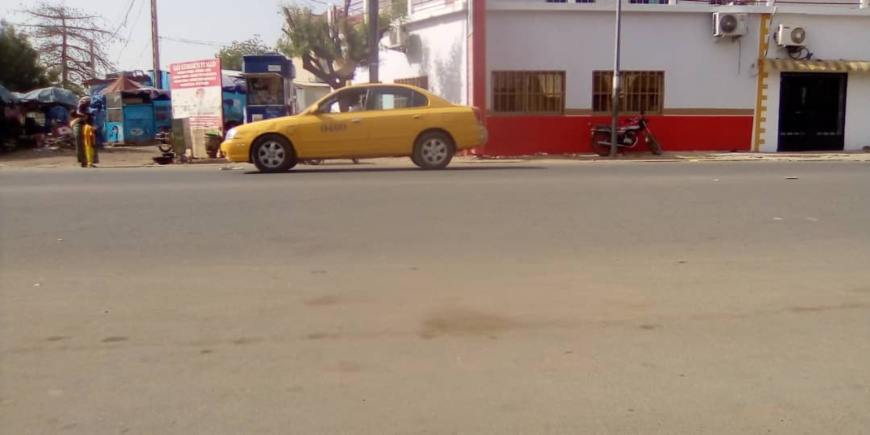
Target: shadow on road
<point>364,170</point>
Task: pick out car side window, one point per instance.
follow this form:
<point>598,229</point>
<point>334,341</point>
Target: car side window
<point>391,98</point>
<point>348,100</point>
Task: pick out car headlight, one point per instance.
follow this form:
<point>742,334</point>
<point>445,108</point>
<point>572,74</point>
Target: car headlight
<point>231,134</point>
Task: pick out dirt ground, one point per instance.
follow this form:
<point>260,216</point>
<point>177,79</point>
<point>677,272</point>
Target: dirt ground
<point>49,158</point>
<point>137,156</point>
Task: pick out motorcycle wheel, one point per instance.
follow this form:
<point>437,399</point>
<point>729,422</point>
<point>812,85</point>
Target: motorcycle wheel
<point>165,147</point>
<point>601,149</point>
<point>653,144</point>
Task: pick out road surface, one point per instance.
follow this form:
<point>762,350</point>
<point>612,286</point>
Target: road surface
<point>494,298</point>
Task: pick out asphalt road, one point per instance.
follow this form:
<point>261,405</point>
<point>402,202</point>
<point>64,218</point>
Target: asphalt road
<point>524,298</point>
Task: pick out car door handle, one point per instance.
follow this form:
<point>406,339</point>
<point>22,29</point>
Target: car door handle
<point>356,120</point>
<point>416,116</point>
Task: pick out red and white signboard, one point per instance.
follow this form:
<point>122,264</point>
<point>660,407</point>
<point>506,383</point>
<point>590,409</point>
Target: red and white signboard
<point>196,93</point>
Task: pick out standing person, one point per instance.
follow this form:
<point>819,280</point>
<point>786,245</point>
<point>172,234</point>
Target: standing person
<point>83,119</point>
<point>89,139</point>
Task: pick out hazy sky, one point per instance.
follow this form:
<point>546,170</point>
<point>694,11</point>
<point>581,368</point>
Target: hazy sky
<point>211,23</point>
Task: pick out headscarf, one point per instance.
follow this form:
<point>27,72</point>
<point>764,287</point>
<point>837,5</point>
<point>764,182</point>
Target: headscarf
<point>81,114</point>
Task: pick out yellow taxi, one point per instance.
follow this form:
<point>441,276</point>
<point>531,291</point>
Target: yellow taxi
<point>362,121</point>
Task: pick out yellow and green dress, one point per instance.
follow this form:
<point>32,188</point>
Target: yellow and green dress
<point>86,141</point>
<point>89,134</point>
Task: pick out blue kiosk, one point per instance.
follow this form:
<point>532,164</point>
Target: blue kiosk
<point>269,84</point>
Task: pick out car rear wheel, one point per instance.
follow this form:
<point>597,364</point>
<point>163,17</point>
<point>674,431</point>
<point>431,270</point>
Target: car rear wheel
<point>433,150</point>
<point>273,153</point>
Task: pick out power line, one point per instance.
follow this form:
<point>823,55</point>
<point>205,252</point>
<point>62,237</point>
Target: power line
<point>132,28</point>
<point>147,44</point>
<point>194,41</point>
<point>126,15</point>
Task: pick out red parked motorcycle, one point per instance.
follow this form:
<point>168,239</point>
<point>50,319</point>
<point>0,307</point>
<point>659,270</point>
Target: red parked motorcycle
<point>627,136</point>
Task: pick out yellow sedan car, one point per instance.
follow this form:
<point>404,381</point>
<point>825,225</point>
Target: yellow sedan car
<point>362,121</point>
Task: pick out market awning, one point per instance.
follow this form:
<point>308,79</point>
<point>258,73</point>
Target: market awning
<point>819,65</point>
<point>52,95</point>
<point>122,83</point>
<point>6,96</point>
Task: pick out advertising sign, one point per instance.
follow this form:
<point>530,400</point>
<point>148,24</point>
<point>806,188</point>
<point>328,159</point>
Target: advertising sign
<point>196,93</point>
<point>197,96</point>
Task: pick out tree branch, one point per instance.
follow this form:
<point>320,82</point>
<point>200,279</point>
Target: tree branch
<point>61,29</point>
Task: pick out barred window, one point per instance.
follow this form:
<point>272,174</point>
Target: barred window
<point>642,91</point>
<point>649,2</point>
<point>528,92</point>
<point>420,82</point>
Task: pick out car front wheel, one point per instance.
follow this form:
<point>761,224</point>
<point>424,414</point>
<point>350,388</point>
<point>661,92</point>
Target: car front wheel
<point>273,153</point>
<point>433,150</point>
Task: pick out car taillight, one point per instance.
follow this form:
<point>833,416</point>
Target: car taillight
<point>479,115</point>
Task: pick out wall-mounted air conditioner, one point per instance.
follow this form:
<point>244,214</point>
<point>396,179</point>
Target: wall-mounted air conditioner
<point>729,24</point>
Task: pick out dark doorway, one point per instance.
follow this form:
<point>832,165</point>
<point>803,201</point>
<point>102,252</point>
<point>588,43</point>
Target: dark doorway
<point>812,111</point>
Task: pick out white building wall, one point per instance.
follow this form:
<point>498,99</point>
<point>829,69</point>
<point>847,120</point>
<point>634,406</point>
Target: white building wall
<point>437,49</point>
<point>771,125</point>
<point>829,37</point>
<point>857,129</point>
<point>858,111</point>
<point>700,71</point>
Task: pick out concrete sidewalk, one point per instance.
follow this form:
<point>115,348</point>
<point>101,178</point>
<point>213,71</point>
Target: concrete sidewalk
<point>693,156</point>
<point>141,156</point>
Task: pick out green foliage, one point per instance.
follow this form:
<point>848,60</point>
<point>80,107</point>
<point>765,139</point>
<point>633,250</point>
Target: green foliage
<point>330,50</point>
<point>231,55</point>
<point>19,61</point>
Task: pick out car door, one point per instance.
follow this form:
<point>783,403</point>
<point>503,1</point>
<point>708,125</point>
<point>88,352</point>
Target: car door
<point>399,114</point>
<point>331,132</point>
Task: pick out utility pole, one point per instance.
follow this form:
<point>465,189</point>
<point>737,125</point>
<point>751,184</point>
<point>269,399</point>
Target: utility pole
<point>64,52</point>
<point>93,61</point>
<point>155,45</point>
<point>374,41</point>
<point>615,99</point>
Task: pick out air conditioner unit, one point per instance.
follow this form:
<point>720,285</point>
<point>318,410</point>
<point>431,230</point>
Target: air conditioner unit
<point>729,24</point>
<point>398,38</point>
<point>788,36</point>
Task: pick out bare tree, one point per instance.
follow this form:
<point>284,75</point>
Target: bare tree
<point>69,41</point>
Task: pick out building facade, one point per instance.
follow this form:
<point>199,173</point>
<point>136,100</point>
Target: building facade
<point>769,76</point>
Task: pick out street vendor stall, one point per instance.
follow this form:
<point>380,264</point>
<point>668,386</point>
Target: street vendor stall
<point>47,115</point>
<point>10,125</point>
<point>53,103</point>
<point>134,113</point>
<point>269,84</point>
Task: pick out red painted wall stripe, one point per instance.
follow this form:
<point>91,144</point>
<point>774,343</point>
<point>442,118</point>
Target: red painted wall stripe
<point>527,135</point>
